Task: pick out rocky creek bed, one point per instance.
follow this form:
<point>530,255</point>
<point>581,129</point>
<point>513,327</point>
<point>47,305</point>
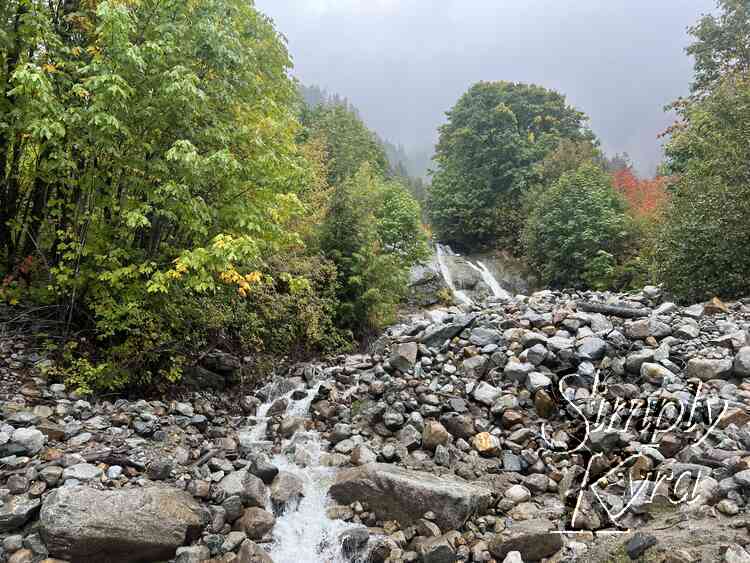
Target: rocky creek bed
<point>523,429</point>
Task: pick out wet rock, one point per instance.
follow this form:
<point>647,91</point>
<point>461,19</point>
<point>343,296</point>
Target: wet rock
<point>439,549</point>
<point>255,523</point>
<point>158,521</point>
<point>400,494</point>
<point>286,489</point>
<point>251,552</point>
<point>353,542</point>
<point>249,488</point>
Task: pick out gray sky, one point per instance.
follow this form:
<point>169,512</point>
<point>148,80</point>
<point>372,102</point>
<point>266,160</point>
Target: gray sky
<point>403,63</point>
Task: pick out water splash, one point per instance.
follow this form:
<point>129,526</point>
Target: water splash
<point>303,532</point>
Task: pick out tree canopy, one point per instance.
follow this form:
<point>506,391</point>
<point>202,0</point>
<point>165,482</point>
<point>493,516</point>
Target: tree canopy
<point>485,157</point>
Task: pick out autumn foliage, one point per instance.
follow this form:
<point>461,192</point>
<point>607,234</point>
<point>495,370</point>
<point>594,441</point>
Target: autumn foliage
<point>645,197</point>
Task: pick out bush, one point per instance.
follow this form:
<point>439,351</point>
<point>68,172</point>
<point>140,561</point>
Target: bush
<point>577,229</point>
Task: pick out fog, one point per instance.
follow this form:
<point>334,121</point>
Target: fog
<point>403,63</point>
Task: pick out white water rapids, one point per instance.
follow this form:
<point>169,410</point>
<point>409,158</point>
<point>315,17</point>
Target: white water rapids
<point>303,533</point>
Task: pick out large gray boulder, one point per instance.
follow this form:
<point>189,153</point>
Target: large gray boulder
<point>395,493</point>
<point>129,525</point>
<point>247,486</point>
<point>435,335</point>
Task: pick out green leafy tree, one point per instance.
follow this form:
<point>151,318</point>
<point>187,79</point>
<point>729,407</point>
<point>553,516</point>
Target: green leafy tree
<point>148,161</point>
<point>486,155</point>
<point>372,234</point>
<point>721,46</point>
<point>702,249</point>
<point>577,229</point>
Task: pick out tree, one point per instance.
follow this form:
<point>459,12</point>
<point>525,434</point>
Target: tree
<point>722,45</point>
<point>147,162</point>
<point>645,198</point>
<point>703,245</point>
<point>349,143</point>
<point>486,155</point>
<point>372,234</point>
<point>577,229</point>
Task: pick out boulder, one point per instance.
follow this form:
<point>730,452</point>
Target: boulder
<point>247,486</point>
<point>532,539</point>
<point>15,511</point>
<point>706,369</point>
<point>286,489</point>
<point>404,356</point>
<point>395,493</point>
<point>117,526</point>
<point>255,522</point>
<point>741,364</point>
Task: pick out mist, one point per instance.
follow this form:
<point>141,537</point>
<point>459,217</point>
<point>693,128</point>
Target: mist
<point>404,63</point>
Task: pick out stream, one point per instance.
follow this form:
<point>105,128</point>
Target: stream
<point>303,531</point>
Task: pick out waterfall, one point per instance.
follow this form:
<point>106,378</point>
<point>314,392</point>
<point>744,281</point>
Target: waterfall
<point>303,532</point>
<point>441,252</point>
<point>494,285</point>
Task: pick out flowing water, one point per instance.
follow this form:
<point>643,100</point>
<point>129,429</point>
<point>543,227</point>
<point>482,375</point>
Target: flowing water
<point>441,252</point>
<point>494,285</point>
<point>303,533</point>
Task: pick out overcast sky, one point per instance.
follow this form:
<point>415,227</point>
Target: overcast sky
<point>403,63</point>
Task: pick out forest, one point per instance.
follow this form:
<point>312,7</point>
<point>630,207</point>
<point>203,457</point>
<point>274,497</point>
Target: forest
<point>167,187</point>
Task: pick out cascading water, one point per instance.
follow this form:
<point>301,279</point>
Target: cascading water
<point>303,532</point>
<point>441,252</point>
<point>494,285</point>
